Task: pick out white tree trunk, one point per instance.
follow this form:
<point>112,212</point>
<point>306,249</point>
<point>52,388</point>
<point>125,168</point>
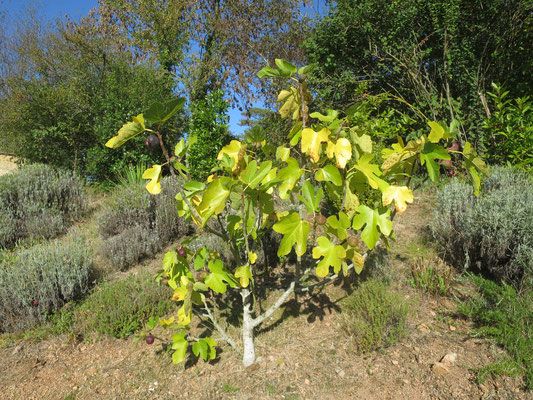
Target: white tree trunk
<point>248,357</point>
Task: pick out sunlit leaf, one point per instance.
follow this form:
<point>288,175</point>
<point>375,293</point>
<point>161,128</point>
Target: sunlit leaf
<point>289,176</point>
<point>128,131</point>
<point>333,256</point>
<point>310,198</point>
<point>179,345</point>
<point>244,275</point>
<point>329,173</point>
<point>154,174</point>
<point>219,274</point>
<point>311,141</point>
<point>400,195</point>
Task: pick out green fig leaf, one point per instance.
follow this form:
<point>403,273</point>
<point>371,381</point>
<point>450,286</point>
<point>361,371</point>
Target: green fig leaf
<point>310,198</point>
<point>294,232</point>
<point>333,256</point>
<point>429,154</point>
<point>372,219</point>
<point>329,173</point>
<point>160,112</point>
<point>179,345</point>
<point>219,274</point>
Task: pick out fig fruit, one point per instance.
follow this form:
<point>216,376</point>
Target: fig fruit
<point>320,219</point>
<point>182,252</point>
<point>152,141</point>
<point>150,339</point>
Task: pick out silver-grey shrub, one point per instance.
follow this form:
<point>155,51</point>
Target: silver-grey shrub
<point>135,224</point>
<point>41,279</point>
<point>38,201</point>
<point>492,233</point>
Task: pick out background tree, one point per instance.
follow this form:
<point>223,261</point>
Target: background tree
<point>438,55</point>
<point>67,87</point>
<point>215,43</point>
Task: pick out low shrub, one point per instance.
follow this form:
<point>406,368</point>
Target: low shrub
<point>374,316</point>
<point>493,233</point>
<point>136,225</point>
<point>506,317</point>
<point>40,279</point>
<point>120,308</point>
<point>38,201</point>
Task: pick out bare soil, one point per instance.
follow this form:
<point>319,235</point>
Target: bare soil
<point>304,354</point>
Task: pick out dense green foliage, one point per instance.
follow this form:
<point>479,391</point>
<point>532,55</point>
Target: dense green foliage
<point>375,317</point>
<point>508,133</point>
<point>442,63</point>
<point>41,279</point>
<point>120,308</point>
<point>135,225</point>
<point>507,318</point>
<point>493,233</point>
<point>209,124</point>
<point>38,201</point>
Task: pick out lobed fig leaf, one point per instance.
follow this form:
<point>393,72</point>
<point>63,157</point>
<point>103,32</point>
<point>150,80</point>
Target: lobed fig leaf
<point>372,219</point>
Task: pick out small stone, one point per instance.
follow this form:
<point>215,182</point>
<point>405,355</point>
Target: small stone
<point>440,368</point>
<point>307,381</point>
<point>394,362</point>
<point>340,372</point>
<point>517,390</point>
<point>452,328</point>
<point>449,359</point>
<point>416,349</point>
<point>423,328</point>
<point>433,313</point>
<point>405,381</point>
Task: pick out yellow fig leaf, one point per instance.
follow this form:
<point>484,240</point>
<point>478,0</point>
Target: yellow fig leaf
<point>166,322</point>
<point>252,257</point>
<point>400,194</point>
<point>128,131</point>
<point>185,314</point>
<point>244,275</point>
<point>343,152</point>
<point>235,151</point>
<point>437,132</point>
<point>311,141</point>
<point>154,174</point>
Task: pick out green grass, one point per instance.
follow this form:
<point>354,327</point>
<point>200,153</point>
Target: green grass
<point>374,316</point>
<point>506,317</point>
